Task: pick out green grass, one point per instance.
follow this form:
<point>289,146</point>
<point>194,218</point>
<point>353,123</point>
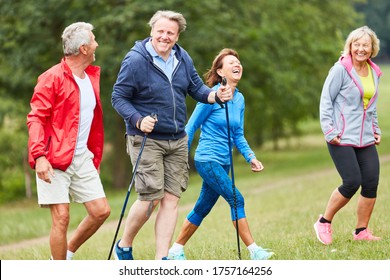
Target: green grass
<point>282,203</point>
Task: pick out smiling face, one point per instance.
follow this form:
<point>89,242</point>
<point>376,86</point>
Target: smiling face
<point>89,50</point>
<point>165,33</point>
<point>231,69</point>
<point>361,49</point>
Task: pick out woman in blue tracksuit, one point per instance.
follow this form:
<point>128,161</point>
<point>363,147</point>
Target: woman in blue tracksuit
<point>212,159</point>
<point>349,122</point>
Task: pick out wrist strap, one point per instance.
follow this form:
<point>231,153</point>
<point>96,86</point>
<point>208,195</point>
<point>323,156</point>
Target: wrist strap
<point>219,101</point>
<point>138,125</point>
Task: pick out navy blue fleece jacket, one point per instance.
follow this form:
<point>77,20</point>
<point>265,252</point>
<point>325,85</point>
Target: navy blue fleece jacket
<point>142,88</point>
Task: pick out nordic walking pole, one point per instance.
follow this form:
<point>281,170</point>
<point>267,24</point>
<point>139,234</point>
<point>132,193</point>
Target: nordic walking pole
<point>129,189</point>
<point>232,173</point>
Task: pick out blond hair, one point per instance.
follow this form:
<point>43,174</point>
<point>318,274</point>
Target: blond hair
<point>358,34</point>
<point>171,15</point>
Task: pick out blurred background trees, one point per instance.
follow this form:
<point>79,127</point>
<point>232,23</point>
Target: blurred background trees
<point>285,46</point>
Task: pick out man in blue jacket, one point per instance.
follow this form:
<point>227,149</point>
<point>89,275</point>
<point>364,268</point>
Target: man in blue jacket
<point>155,77</point>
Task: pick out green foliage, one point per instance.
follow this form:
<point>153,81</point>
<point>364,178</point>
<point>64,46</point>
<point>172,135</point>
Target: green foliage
<point>13,137</point>
<point>288,60</point>
<point>377,17</point>
<point>285,46</point>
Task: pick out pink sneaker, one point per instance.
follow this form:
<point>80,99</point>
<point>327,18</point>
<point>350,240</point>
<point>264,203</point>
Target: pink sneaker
<point>323,232</point>
<point>365,235</point>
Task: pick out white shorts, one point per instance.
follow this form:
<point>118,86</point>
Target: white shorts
<point>81,181</point>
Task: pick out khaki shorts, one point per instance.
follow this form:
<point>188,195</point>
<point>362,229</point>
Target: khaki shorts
<point>80,181</point>
<point>163,166</point>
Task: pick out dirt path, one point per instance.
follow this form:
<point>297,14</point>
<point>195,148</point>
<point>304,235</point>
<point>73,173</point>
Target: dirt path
<point>111,226</point>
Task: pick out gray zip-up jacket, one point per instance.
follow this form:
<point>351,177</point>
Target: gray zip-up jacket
<point>142,88</point>
<point>342,110</point>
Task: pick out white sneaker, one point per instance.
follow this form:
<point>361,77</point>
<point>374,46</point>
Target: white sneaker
<point>176,255</point>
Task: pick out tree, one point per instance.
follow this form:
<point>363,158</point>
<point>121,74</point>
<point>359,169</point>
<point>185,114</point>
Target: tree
<point>285,46</point>
<point>377,17</point>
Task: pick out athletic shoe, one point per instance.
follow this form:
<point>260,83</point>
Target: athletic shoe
<point>261,254</point>
<point>365,235</point>
<point>67,258</point>
<point>323,231</point>
<point>176,255</point>
<point>165,259</point>
<point>125,253</point>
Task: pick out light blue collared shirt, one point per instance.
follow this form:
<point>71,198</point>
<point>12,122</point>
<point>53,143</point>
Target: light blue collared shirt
<point>166,66</point>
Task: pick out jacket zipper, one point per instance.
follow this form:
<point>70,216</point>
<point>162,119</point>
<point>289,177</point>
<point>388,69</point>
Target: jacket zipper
<point>172,92</point>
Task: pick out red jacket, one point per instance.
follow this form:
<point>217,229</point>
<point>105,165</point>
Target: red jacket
<point>53,121</point>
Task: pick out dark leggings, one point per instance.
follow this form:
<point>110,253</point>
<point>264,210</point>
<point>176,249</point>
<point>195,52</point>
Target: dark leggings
<point>357,167</point>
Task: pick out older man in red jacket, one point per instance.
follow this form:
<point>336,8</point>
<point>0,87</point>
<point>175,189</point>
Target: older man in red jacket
<point>66,138</point>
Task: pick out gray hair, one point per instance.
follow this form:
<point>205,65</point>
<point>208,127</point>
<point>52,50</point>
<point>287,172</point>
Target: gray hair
<point>359,33</point>
<point>74,36</point>
<point>171,15</point>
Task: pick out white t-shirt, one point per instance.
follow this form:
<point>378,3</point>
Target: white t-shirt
<point>87,106</point>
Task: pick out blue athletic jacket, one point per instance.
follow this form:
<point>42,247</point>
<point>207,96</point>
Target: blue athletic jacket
<point>211,119</point>
<point>142,88</point>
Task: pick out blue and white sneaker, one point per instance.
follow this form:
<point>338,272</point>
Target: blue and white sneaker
<point>125,253</point>
<point>261,254</point>
<point>176,255</point>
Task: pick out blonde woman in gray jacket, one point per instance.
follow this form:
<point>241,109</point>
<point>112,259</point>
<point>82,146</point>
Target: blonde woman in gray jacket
<point>349,122</point>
